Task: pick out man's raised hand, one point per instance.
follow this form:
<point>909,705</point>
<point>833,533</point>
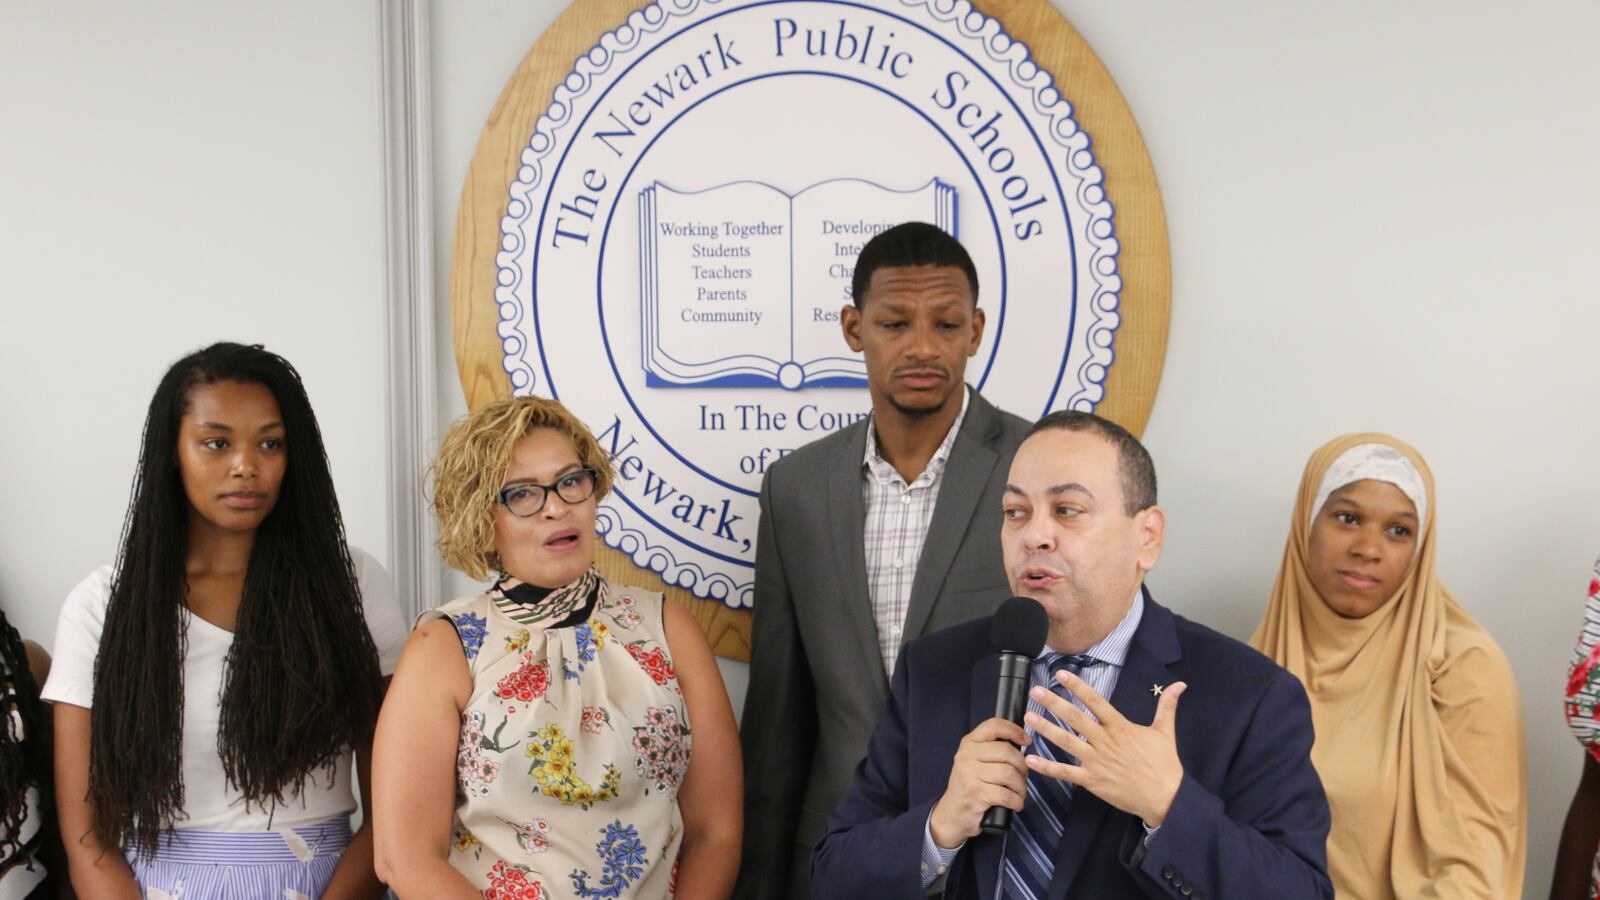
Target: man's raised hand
<point>1130,766</point>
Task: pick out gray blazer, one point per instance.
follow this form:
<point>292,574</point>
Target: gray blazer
<point>817,683</point>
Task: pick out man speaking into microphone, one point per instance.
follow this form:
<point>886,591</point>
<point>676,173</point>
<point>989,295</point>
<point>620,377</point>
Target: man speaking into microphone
<point>1157,758</point>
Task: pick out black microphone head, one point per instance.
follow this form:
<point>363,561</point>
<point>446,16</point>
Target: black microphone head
<point>1020,626</point>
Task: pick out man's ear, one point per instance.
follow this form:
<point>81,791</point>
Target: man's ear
<point>1151,523</point>
<point>977,331</point>
<point>850,324</point>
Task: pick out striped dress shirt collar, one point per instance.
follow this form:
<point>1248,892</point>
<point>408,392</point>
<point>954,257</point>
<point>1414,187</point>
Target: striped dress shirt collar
<point>1110,652</point>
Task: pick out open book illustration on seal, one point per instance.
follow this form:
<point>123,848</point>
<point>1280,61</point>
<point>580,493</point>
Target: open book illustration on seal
<point>741,284</point>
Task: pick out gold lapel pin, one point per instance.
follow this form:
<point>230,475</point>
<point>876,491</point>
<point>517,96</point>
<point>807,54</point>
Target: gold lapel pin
<point>1156,689</point>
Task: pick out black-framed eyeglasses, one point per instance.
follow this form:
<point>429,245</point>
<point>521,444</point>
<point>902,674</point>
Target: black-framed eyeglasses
<point>527,498</point>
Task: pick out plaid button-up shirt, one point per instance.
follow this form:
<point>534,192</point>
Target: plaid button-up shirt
<point>897,525</point>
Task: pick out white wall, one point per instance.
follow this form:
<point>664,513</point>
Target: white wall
<point>175,174</point>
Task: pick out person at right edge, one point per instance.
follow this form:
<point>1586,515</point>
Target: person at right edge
<point>868,538</point>
<point>1577,874</point>
<point>1419,727</point>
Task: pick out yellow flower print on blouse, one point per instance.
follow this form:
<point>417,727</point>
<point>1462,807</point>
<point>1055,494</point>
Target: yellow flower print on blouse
<point>553,767</point>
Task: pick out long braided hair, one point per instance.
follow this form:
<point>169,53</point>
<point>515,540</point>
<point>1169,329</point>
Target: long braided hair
<point>302,682</point>
<point>22,758</point>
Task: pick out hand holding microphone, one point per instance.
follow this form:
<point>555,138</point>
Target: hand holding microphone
<point>988,779</point>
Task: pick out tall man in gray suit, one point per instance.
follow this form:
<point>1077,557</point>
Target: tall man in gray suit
<point>869,538</point>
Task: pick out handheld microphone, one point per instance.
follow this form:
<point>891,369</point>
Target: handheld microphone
<point>1018,632</point>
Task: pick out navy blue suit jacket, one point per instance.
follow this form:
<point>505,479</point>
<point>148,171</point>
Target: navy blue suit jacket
<point>1250,821</point>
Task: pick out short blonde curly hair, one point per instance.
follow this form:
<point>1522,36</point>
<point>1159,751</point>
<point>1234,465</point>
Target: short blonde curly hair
<point>471,465</point>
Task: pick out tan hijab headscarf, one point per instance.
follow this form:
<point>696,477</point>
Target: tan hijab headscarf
<point>1418,730</point>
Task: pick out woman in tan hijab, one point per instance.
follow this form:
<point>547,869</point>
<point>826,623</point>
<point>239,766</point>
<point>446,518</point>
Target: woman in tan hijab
<point>1419,734</point>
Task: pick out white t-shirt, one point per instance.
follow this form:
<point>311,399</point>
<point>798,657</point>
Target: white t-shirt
<point>210,804</point>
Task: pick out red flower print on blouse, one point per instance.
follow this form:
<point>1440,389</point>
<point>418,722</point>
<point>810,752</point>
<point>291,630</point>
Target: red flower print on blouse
<point>1581,671</point>
<point>653,661</point>
<point>1578,678</point>
<point>512,883</point>
<point>1594,587</point>
<point>528,683</point>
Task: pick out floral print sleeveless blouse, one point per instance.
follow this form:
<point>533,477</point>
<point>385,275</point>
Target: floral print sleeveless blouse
<point>1583,693</point>
<point>573,744</point>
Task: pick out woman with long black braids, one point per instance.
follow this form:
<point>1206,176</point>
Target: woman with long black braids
<point>210,687</point>
<point>25,837</point>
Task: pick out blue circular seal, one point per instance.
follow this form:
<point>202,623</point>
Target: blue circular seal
<point>681,234</point>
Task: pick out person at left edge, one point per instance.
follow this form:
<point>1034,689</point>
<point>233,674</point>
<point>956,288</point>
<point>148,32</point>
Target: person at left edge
<point>212,688</point>
<point>872,536</point>
<point>31,863</point>
<point>1213,797</point>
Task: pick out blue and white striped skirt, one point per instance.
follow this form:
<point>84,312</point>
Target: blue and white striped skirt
<point>291,864</point>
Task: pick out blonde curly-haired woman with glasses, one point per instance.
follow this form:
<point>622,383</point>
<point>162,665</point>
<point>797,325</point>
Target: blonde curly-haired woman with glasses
<point>559,735</point>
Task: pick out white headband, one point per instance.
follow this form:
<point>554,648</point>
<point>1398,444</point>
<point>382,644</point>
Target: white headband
<point>1374,462</point>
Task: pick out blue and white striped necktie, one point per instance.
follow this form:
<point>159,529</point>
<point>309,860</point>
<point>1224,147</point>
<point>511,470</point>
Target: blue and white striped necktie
<point>1036,831</point>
